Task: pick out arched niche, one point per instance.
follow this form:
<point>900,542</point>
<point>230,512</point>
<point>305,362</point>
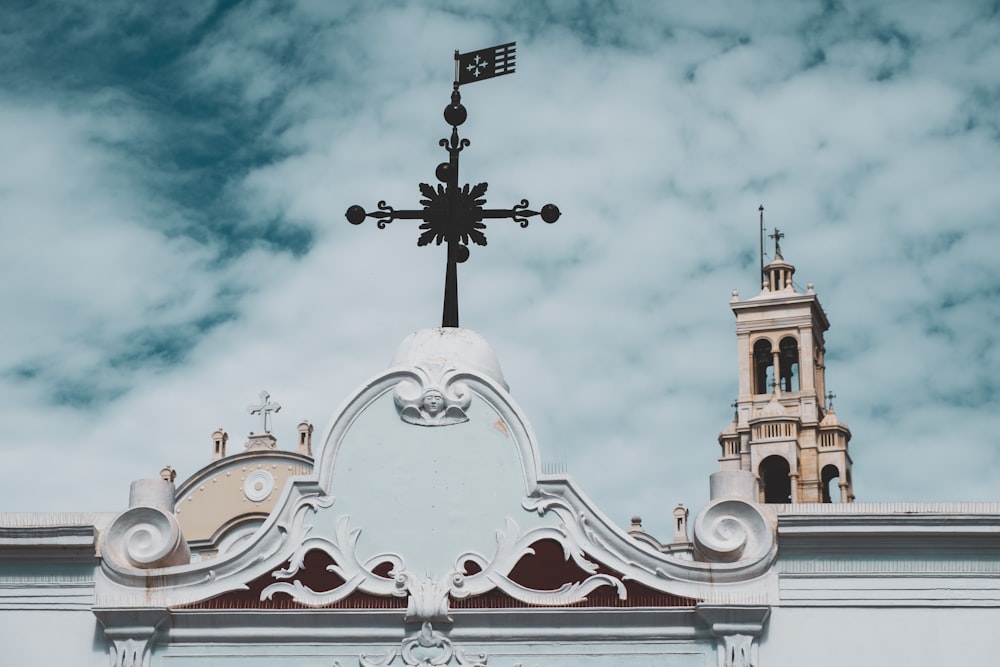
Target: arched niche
<point>830,477</point>
<point>788,359</point>
<point>775,482</point>
<point>763,367</point>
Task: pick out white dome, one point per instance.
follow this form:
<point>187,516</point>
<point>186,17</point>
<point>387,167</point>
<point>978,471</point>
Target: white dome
<point>460,347</point>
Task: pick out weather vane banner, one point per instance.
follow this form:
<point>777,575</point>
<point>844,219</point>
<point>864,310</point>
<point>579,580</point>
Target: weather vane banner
<point>484,64</point>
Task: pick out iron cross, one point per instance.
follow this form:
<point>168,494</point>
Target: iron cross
<point>452,214</point>
<point>265,408</point>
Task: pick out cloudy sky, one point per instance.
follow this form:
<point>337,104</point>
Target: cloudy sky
<point>173,186</point>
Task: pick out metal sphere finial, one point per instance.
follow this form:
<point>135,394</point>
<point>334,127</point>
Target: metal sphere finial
<point>355,215</point>
<point>550,213</point>
<point>442,172</point>
<point>455,114</point>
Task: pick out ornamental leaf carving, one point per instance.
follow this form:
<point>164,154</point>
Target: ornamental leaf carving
<point>425,648</point>
<point>347,566</point>
<point>460,222</point>
<point>428,191</point>
<point>429,597</point>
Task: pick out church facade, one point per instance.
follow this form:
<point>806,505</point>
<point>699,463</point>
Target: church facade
<point>422,532</point>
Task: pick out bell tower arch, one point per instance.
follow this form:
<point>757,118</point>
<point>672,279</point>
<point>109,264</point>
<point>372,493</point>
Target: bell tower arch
<point>784,430</point>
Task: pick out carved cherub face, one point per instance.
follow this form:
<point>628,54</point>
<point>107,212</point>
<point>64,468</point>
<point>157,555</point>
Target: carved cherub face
<point>433,402</point>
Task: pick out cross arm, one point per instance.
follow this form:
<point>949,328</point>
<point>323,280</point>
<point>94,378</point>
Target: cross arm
<point>520,213</point>
<point>385,214</point>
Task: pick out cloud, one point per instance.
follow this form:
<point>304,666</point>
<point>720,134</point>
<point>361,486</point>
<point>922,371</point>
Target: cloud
<point>174,185</point>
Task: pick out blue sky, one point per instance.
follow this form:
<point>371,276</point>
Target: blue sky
<point>173,184</point>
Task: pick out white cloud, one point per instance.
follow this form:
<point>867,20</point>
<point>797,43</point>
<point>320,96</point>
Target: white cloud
<point>657,130</point>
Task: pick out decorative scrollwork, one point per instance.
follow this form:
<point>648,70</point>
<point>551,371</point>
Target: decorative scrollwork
<point>730,530</point>
<point>520,213</point>
<point>356,575</point>
<point>385,215</point>
<point>425,648</point>
<point>512,546</point>
<point>146,537</point>
<point>386,212</point>
<point>455,145</point>
<point>542,501</point>
<point>428,596</point>
<point>519,208</point>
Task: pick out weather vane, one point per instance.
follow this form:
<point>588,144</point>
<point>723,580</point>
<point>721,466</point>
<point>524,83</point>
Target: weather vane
<point>454,214</point>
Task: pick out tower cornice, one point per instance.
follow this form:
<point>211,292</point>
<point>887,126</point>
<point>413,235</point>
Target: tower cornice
<point>765,305</point>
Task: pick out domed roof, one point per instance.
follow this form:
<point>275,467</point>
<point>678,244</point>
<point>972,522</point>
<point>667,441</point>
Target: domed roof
<point>830,418</point>
<point>449,345</point>
<point>830,421</point>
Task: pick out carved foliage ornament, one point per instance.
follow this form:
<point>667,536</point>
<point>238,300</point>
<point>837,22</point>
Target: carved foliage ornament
<point>131,634</point>
<point>737,650</point>
<point>428,598</point>
<point>130,652</point>
<point>426,648</point>
<point>432,397</point>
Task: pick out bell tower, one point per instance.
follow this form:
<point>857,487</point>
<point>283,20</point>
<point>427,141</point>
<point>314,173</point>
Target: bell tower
<point>784,430</point>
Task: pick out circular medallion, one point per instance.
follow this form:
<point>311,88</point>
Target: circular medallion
<point>258,485</point>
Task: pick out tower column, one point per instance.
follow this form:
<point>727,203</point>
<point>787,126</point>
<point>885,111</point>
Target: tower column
<point>745,365</point>
<point>776,354</point>
<point>820,375</point>
<point>807,362</point>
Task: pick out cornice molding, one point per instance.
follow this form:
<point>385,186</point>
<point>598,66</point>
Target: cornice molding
<point>380,627</point>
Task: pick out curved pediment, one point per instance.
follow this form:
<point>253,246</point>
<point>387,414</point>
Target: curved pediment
<point>427,488</point>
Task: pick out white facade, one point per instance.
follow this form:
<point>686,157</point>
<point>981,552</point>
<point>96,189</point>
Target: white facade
<point>427,534</point>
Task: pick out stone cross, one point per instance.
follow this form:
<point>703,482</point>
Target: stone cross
<point>265,408</point>
<point>777,236</point>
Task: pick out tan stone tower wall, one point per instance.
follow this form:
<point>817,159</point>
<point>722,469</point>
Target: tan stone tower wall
<point>784,431</point>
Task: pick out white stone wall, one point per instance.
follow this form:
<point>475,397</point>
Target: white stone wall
<point>51,638</point>
<point>860,636</point>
